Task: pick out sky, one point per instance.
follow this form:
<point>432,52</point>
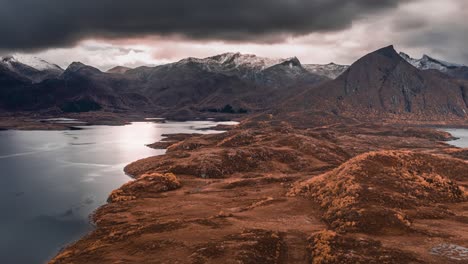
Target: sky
<point>107,33</point>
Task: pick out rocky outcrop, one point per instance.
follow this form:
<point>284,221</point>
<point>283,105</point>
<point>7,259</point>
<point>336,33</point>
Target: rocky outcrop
<point>147,185</point>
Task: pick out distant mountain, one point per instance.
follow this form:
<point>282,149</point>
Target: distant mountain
<point>85,88</point>
<point>37,63</point>
<point>239,64</point>
<point>429,63</point>
<point>330,70</point>
<point>119,70</point>
<point>251,68</point>
<point>225,83</point>
<point>380,85</point>
<point>80,88</point>
<point>383,85</point>
<point>242,81</point>
<point>32,68</point>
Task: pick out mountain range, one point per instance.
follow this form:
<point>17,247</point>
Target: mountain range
<point>244,82</point>
<point>382,83</point>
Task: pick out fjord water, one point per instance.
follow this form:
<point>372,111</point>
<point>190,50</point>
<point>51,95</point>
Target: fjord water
<point>51,181</point>
<point>461,134</point>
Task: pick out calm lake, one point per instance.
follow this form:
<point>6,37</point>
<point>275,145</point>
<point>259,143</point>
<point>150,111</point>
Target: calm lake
<point>51,181</point>
<point>462,134</point>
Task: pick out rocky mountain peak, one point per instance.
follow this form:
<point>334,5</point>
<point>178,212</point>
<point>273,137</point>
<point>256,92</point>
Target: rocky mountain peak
<point>29,67</point>
<point>294,61</point>
<point>78,66</point>
<point>388,51</point>
<point>7,58</point>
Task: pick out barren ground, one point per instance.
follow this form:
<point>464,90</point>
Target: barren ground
<point>266,192</point>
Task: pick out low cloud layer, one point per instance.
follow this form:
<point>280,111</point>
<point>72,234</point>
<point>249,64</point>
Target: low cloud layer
<point>42,24</point>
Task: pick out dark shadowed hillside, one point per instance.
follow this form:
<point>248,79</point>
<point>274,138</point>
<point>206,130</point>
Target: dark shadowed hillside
<point>382,84</point>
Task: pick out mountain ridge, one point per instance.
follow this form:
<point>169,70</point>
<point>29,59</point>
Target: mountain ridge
<point>429,63</point>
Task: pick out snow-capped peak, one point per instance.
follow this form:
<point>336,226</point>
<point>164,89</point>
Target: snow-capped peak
<point>35,62</point>
<point>244,65</point>
<point>429,63</point>
<point>29,67</point>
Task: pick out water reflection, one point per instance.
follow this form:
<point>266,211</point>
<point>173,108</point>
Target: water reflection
<point>53,180</point>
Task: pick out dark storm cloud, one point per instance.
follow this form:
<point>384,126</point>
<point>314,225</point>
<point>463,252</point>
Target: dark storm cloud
<point>37,24</point>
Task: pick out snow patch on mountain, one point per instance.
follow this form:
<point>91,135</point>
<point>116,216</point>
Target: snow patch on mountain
<point>29,67</point>
<point>31,61</point>
<point>241,62</point>
<point>35,62</point>
<point>237,60</point>
<point>245,66</point>
<point>429,63</point>
<point>330,70</point>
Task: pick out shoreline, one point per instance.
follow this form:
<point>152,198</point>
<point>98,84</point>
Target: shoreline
<point>34,121</point>
<point>153,177</point>
<point>93,178</point>
<point>38,121</point>
<point>219,127</point>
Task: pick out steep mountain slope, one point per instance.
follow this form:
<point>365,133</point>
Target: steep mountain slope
<point>10,78</point>
<point>429,63</point>
<point>382,84</point>
<point>10,83</point>
<point>110,91</point>
<point>330,70</point>
<point>32,68</point>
